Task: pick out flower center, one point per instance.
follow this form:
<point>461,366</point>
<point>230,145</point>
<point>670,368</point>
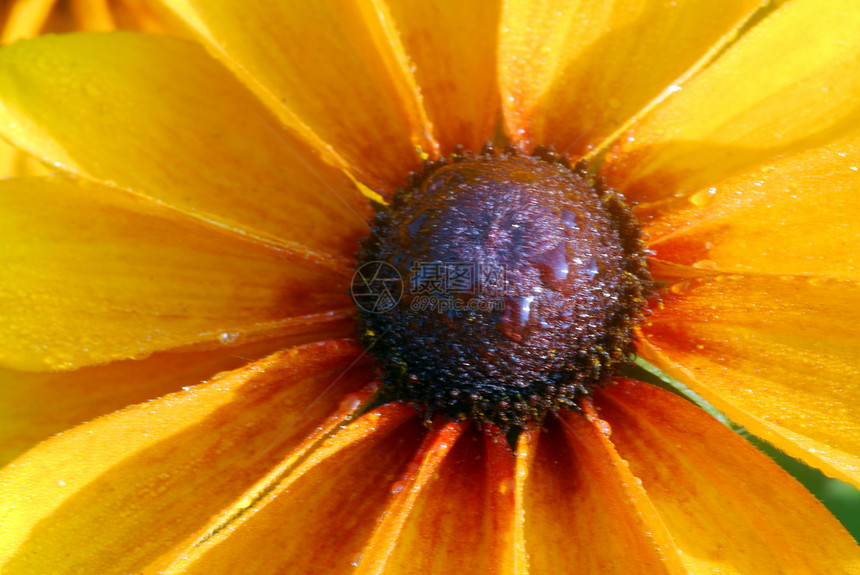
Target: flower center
<point>500,287</point>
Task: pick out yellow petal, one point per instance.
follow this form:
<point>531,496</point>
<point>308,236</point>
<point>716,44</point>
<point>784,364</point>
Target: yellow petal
<point>572,71</point>
<point>332,70</point>
<point>91,274</point>
<point>584,509</point>
<point>112,495</point>
<point>35,406</point>
<point>453,48</point>
<point>789,84</point>
<point>795,216</point>
<point>730,509</point>
<point>315,519</point>
<point>15,163</point>
<point>158,116</point>
<point>780,356</point>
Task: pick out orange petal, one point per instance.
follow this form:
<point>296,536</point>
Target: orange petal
<point>795,216</point>
<point>730,509</point>
<point>35,406</point>
<point>147,16</point>
<point>584,509</point>
<point>780,356</point>
<point>332,70</point>
<point>453,48</point>
<point>316,518</point>
<point>459,483</point>
<point>376,556</point>
<point>92,15</point>
<point>789,84</point>
<point>141,112</point>
<point>572,72</point>
<point>92,275</point>
<point>112,495</point>
<point>24,19</point>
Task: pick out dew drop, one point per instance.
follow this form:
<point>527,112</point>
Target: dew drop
<point>397,487</point>
<point>706,265</point>
<point>570,218</point>
<point>703,198</point>
<point>604,427</point>
<point>351,402</point>
<point>680,288</point>
<point>516,317</point>
<point>229,337</point>
<point>591,269</point>
<point>553,265</point>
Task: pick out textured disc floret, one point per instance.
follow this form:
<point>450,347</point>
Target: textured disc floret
<point>500,286</point>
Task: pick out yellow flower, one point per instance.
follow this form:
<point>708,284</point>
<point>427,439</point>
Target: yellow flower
<point>205,213</point>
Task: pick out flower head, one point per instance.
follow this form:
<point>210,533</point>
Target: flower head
<point>201,221</point>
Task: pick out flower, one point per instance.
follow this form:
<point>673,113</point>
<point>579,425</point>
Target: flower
<point>204,215</point>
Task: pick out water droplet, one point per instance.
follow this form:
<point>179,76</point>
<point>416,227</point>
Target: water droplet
<point>570,218</point>
<point>229,337</point>
<point>516,317</point>
<point>397,487</point>
<point>706,265</point>
<point>553,265</point>
<point>357,560</point>
<point>351,402</point>
<point>604,427</point>
<point>703,198</point>
<point>591,269</point>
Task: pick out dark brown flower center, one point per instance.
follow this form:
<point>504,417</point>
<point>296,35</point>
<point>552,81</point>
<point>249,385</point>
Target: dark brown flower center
<point>500,287</point>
